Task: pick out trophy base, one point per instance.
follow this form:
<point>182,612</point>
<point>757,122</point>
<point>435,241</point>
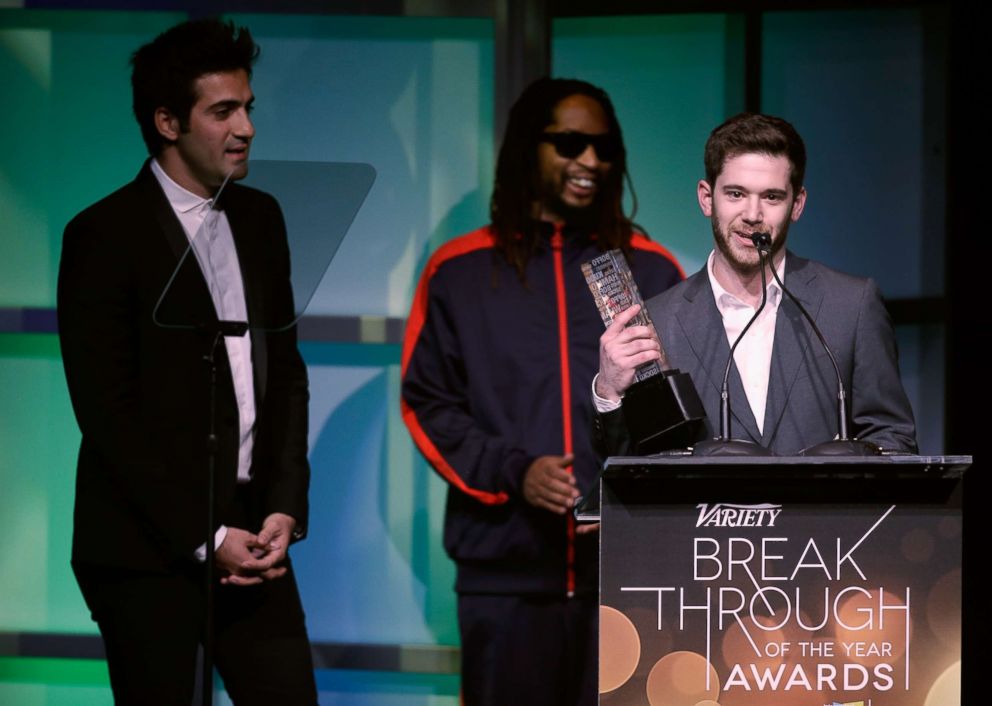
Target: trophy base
<point>663,412</point>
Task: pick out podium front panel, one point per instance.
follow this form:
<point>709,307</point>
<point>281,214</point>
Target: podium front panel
<point>780,582</point>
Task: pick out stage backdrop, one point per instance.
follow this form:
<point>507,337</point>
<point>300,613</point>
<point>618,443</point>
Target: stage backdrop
<point>413,98</point>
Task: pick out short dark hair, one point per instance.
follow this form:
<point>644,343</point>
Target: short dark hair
<point>753,132</point>
<point>517,171</point>
<point>164,71</point>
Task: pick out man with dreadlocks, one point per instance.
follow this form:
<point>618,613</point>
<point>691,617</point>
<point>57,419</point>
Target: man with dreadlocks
<point>500,350</point>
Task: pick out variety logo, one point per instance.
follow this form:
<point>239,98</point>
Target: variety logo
<point>733,515</point>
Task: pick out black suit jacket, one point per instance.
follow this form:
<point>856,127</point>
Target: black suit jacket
<point>140,390</point>
<point>801,408</point>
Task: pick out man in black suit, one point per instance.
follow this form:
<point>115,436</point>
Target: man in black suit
<point>783,388</point>
<point>141,392</point>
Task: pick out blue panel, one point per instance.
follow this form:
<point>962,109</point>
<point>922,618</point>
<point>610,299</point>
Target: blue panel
<point>372,568</point>
<point>38,443</point>
<point>853,85</point>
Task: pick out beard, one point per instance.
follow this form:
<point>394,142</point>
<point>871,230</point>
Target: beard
<point>572,215</point>
<point>743,258</point>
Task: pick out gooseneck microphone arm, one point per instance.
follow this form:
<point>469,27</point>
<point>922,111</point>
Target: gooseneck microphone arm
<point>723,445</point>
<point>725,388</point>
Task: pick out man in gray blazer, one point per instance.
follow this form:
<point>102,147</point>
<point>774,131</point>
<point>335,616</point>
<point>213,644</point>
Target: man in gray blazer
<point>783,388</point>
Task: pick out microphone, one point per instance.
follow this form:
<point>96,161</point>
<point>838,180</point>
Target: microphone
<point>763,242</point>
<point>843,445</point>
<point>723,445</point>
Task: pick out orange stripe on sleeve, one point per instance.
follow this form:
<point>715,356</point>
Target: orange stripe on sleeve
<point>642,242</point>
<point>476,240</point>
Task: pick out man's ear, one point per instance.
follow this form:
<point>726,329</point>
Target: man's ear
<point>798,204</point>
<point>704,192</point>
<point>167,124</point>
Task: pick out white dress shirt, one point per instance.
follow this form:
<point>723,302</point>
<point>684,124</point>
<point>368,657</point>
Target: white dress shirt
<point>753,356</point>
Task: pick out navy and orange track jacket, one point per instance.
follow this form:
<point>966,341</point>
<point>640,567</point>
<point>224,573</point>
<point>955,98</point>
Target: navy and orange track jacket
<point>496,372</point>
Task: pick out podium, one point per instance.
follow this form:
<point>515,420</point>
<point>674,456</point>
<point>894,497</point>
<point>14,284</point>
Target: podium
<point>781,580</point>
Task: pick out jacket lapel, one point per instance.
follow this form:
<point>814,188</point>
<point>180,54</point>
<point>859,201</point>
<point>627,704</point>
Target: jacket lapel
<point>702,325</point>
<point>162,212</point>
<point>185,301</point>
<point>793,336</point>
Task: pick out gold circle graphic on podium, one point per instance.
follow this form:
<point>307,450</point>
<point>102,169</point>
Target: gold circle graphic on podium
<point>946,691</point>
<point>679,679</point>
<point>619,649</point>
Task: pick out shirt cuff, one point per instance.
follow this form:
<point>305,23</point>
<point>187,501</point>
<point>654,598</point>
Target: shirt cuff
<point>219,536</point>
<point>603,405</point>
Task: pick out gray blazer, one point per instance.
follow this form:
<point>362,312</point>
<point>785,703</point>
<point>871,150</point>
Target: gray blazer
<point>801,408</point>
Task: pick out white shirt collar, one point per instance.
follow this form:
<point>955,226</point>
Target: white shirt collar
<point>725,299</point>
<point>182,200</point>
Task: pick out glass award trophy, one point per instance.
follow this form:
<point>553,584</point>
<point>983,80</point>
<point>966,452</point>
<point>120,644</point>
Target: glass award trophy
<point>661,409</point>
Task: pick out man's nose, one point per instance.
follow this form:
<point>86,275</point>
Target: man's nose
<point>243,126</point>
<point>588,159</point>
<point>752,210</point>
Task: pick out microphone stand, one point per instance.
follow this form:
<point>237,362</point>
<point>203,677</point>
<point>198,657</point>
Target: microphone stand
<point>207,684</point>
<point>224,329</point>
<point>723,445</point>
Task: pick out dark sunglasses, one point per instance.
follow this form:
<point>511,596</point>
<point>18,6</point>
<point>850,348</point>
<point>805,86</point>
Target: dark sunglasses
<point>570,145</point>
